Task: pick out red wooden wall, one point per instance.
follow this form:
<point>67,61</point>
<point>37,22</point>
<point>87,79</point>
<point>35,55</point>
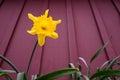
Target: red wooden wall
<point>86,26</point>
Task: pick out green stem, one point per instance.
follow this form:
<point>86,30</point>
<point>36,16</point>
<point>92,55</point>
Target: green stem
<point>30,60</point>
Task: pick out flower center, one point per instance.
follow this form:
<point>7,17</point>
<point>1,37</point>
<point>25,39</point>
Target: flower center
<point>43,28</point>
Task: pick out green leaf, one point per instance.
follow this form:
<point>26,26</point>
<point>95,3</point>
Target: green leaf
<point>71,65</point>
<point>57,74</point>
<point>99,51</point>
<point>8,77</point>
<point>104,64</point>
<point>105,73</point>
<point>83,60</point>
<point>113,62</point>
<point>7,71</point>
<point>77,75</point>
<point>10,63</point>
<point>86,77</point>
<point>34,77</point>
<point>5,75</point>
<point>21,76</point>
<point>2,74</point>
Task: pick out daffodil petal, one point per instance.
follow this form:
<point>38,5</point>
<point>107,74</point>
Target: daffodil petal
<point>58,21</point>
<point>33,32</point>
<point>41,39</point>
<point>31,17</point>
<point>46,12</point>
<point>53,35</point>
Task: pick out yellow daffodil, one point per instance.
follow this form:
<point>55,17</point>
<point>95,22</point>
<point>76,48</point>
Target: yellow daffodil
<point>43,26</point>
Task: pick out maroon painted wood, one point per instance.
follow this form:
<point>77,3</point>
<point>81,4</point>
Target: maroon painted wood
<point>111,24</point>
<point>8,21</point>
<point>1,1</point>
<point>116,4</point>
<point>86,26</point>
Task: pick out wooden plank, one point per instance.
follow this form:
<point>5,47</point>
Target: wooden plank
<point>1,2</point>
<point>108,21</point>
<point>88,37</point>
<point>116,4</point>
<point>101,27</point>
<point>55,55</point>
<point>38,55</point>
<point>72,42</point>
<point>22,43</point>
<point>9,13</point>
